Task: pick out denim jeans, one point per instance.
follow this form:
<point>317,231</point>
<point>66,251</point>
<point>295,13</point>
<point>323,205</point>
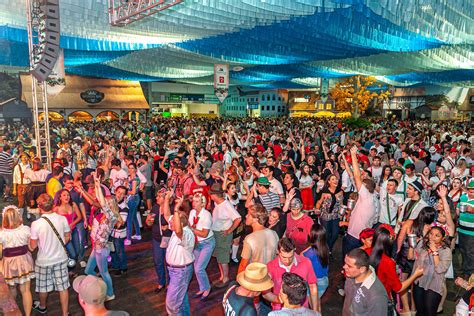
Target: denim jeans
<point>76,246</point>
<point>98,258</point>
<point>332,231</point>
<point>159,260</point>
<point>323,284</point>
<point>202,255</point>
<point>349,243</point>
<point>177,302</point>
<point>132,220</point>
<point>119,258</point>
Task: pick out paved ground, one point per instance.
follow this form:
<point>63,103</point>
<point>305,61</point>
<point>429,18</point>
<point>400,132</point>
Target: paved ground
<point>135,291</point>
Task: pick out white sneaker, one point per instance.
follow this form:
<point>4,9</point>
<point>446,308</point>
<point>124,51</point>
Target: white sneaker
<point>109,298</point>
<point>127,242</point>
<point>341,292</point>
<point>83,264</point>
<point>137,237</point>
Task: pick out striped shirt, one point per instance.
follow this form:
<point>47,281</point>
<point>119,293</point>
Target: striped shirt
<point>269,200</point>
<point>6,163</point>
<point>466,220</point>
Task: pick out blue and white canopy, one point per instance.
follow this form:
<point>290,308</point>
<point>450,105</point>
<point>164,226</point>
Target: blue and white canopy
<point>279,43</point>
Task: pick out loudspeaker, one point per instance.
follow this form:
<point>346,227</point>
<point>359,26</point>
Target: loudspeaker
<point>49,30</point>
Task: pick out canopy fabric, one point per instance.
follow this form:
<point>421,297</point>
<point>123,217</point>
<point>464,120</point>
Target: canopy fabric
<point>278,43</point>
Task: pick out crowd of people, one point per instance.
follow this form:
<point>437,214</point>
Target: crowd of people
<point>270,195</point>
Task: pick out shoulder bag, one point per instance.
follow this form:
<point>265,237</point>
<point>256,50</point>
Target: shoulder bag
<point>71,263</point>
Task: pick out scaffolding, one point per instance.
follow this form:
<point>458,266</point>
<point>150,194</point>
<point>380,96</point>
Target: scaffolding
<point>124,12</point>
<point>35,21</point>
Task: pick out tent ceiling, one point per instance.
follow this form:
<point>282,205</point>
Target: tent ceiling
<point>277,42</point>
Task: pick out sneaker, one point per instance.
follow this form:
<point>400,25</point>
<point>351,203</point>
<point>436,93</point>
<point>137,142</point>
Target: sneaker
<point>137,237</point>
<point>36,307</point>
<point>82,263</point>
<point>127,242</point>
<point>109,298</point>
<point>341,292</point>
<point>235,260</point>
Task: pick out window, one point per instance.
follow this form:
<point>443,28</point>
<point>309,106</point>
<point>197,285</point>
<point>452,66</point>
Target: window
<point>273,98</point>
<point>279,109</point>
<point>263,97</point>
<point>273,108</point>
<point>268,97</point>
<point>328,106</point>
<point>279,98</point>
<point>321,106</point>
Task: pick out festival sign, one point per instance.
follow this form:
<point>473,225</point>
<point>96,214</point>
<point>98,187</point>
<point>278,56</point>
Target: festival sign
<point>221,81</point>
<point>92,96</point>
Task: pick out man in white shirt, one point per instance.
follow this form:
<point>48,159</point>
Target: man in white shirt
<point>51,263</point>
<point>389,203</point>
<point>225,219</point>
<point>450,162</point>
<point>118,176</point>
<point>376,169</point>
<point>435,157</point>
<point>179,257</point>
<point>364,211</point>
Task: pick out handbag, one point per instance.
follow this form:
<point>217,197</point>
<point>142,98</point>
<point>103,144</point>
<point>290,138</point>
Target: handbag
<point>71,263</point>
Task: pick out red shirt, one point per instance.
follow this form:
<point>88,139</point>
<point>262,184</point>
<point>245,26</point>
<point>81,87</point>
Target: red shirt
<point>387,274</point>
<point>298,230</point>
<point>302,267</point>
<point>277,151</point>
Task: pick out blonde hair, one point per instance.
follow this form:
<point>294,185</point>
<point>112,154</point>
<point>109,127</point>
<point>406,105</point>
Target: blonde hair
<point>112,203</point>
<point>11,217</point>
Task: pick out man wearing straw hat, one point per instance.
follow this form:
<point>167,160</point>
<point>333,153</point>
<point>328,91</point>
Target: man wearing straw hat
<point>239,300</point>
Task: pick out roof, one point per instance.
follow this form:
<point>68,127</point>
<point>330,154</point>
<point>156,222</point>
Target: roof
<point>118,94</point>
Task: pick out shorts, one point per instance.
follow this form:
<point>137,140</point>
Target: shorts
<point>148,192</point>
<point>222,250</point>
<point>52,278</point>
<point>7,179</point>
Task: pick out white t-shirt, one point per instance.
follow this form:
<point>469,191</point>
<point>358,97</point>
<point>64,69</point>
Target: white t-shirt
<point>376,173</point>
<point>276,187</point>
<point>394,201</point>
<point>50,250</point>
<point>118,178</point>
<point>364,212</point>
<point>346,182</point>
<point>223,216</point>
<point>204,222</point>
<point>180,251</point>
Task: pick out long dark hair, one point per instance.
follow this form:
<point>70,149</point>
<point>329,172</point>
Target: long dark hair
<point>381,244</point>
<point>444,242</point>
<point>317,240</point>
<point>426,217</point>
<point>381,180</point>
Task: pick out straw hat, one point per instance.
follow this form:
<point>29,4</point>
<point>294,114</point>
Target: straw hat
<point>255,277</point>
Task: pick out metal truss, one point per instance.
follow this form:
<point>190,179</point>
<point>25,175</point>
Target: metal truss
<point>124,12</point>
<point>35,29</point>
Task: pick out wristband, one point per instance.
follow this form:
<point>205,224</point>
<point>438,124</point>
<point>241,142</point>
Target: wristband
<point>435,253</point>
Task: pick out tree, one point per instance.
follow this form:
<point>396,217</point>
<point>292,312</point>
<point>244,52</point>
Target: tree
<point>354,94</point>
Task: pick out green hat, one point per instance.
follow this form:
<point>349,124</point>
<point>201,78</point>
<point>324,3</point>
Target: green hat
<point>263,181</point>
<point>470,185</point>
<point>399,169</point>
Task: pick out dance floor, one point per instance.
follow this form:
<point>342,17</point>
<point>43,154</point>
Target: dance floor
<point>135,291</point>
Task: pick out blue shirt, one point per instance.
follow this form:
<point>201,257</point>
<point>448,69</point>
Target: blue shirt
<point>319,270</point>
